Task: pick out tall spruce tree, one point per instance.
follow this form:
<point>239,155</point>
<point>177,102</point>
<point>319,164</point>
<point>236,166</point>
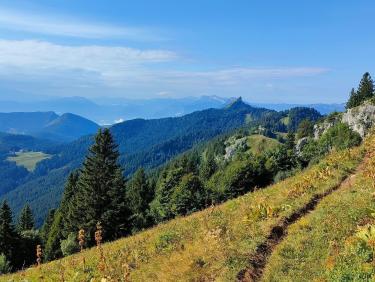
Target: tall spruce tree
<point>366,87</point>
<point>364,92</point>
<point>100,192</point>
<point>353,99</point>
<point>139,195</point>
<point>67,202</point>
<point>8,236</point>
<point>56,227</point>
<point>44,231</point>
<point>26,219</point>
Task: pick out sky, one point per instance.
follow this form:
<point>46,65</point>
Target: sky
<point>265,51</point>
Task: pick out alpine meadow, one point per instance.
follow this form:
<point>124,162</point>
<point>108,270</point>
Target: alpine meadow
<point>187,141</point>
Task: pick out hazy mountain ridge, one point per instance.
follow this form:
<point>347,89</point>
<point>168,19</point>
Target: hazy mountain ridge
<point>47,125</point>
<point>110,110</point>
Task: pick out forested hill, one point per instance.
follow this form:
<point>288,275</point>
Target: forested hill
<point>150,143</point>
<point>147,143</point>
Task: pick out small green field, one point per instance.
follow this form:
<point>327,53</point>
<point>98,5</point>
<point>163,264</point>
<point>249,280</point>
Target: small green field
<point>28,160</point>
<point>259,144</point>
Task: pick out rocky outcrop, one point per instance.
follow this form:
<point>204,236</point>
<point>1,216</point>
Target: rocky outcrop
<point>300,144</point>
<point>360,119</point>
<point>233,146</point>
<point>321,128</point>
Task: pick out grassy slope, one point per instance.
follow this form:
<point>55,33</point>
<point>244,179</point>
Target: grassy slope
<point>259,144</point>
<point>28,160</point>
<point>215,243</point>
<point>326,244</point>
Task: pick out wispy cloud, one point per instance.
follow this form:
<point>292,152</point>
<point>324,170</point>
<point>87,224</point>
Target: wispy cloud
<point>231,76</point>
<point>59,26</point>
<point>35,56</point>
<point>92,67</point>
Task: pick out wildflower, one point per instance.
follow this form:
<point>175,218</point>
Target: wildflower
<point>39,255</point>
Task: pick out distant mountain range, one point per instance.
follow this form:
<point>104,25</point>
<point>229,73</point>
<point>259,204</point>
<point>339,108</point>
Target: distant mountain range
<point>324,109</point>
<point>47,125</point>
<point>113,110</point>
<point>147,143</point>
<point>110,110</point>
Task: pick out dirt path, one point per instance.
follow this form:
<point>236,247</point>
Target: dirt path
<point>258,261</point>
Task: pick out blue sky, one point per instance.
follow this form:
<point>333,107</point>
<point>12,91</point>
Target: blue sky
<point>265,51</point>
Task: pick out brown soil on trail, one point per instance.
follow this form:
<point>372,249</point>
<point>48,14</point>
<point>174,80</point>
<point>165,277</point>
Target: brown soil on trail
<point>258,261</point>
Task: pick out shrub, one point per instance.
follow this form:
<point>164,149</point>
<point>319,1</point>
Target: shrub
<point>69,246</point>
<point>339,137</point>
<point>4,265</point>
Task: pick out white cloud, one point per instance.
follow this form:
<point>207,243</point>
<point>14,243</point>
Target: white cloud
<point>33,56</point>
<point>41,65</point>
<point>57,25</point>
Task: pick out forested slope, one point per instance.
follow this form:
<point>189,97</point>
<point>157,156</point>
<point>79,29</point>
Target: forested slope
<point>217,243</point>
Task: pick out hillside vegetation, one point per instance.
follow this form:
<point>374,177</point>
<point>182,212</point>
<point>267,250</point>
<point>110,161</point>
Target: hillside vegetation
<point>220,242</point>
<point>336,241</point>
<point>142,143</point>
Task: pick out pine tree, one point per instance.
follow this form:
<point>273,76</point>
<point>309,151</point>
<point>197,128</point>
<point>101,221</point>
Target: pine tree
<point>8,234</point>
<point>44,231</point>
<point>353,99</point>
<point>365,91</point>
<point>139,196</point>
<point>161,206</point>
<point>100,192</point>
<point>56,229</point>
<point>366,87</point>
<point>26,219</point>
<point>52,245</point>
<point>290,141</point>
<point>67,201</point>
<point>189,195</point>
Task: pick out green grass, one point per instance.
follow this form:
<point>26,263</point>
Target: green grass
<point>214,244</point>
<point>258,144</point>
<point>29,160</point>
<point>336,242</point>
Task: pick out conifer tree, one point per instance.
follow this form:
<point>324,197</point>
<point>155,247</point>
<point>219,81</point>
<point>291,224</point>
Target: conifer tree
<point>8,234</point>
<point>208,167</point>
<point>26,219</point>
<point>189,195</point>
<point>67,202</point>
<point>56,229</point>
<point>52,245</point>
<point>100,192</point>
<point>353,99</point>
<point>366,87</point>
<point>161,206</point>
<point>44,231</point>
<point>365,91</point>
<point>290,141</point>
<point>139,196</point>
